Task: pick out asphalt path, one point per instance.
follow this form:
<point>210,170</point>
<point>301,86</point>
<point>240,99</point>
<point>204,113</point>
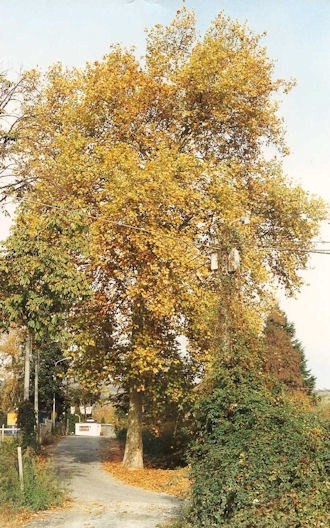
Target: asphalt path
<point>98,499</point>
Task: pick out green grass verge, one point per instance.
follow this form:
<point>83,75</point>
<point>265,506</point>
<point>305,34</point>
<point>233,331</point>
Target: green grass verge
<point>41,488</point>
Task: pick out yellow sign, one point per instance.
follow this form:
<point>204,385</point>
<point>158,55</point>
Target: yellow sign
<point>11,418</point>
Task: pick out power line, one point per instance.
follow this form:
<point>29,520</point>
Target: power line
<point>94,217</point>
<point>314,250</point>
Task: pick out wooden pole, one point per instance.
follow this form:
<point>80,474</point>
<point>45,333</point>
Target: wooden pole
<point>36,393</point>
<point>2,433</point>
<point>20,467</point>
<point>28,350</point>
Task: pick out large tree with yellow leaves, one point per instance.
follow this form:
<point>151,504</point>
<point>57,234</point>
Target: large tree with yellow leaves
<point>159,160</point>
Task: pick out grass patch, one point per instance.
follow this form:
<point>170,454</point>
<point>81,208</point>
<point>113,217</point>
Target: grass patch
<point>41,488</point>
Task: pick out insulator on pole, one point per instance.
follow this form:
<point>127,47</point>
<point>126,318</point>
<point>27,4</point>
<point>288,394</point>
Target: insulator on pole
<point>233,261</point>
<point>214,264</point>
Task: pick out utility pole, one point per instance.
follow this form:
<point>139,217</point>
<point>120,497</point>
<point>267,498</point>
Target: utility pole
<point>54,392</point>
<point>229,264</point>
<point>36,389</point>
<point>28,354</point>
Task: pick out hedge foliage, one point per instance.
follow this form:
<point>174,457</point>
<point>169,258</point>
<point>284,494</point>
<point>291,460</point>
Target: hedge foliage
<point>257,461</point>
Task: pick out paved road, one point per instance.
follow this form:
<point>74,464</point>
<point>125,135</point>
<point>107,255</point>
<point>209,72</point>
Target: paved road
<point>99,500</point>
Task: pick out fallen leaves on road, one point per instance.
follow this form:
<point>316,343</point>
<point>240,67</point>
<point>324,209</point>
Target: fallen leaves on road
<point>11,518</point>
<point>172,481</point>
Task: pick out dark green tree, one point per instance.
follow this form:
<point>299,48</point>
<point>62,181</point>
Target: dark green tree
<point>284,354</point>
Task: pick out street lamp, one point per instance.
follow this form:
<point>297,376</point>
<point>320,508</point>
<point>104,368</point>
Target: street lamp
<point>54,393</point>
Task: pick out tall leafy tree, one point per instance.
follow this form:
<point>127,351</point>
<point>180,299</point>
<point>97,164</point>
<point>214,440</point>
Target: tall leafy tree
<point>40,284</point>
<point>160,159</point>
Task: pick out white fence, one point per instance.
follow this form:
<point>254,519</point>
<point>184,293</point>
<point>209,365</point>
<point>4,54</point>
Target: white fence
<point>12,431</point>
<point>8,431</point>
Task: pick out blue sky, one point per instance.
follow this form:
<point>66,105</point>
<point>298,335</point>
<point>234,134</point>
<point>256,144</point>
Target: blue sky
<point>40,32</point>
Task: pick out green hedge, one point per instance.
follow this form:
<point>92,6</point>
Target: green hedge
<point>257,462</point>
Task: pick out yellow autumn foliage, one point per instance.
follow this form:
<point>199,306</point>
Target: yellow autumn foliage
<point>160,159</point>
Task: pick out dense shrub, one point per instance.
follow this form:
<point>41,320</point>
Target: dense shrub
<point>41,489</point>
<point>26,421</point>
<point>257,462</point>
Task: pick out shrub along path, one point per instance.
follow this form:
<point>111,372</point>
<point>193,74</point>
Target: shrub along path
<point>98,499</point>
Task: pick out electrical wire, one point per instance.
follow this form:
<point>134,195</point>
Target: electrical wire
<point>212,247</point>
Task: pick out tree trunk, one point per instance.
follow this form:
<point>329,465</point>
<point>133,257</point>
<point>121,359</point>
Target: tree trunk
<point>133,457</point>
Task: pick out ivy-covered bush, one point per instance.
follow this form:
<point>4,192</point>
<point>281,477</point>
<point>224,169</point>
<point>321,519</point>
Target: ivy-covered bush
<point>257,461</point>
